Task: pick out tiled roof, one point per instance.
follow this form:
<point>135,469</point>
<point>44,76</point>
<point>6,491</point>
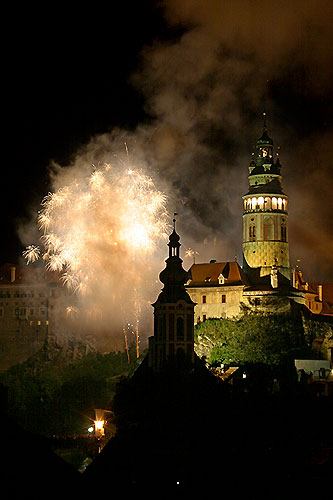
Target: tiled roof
<point>208,274</point>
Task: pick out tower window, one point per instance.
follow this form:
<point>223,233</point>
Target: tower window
<point>180,329</point>
<point>261,202</point>
<point>280,203</point>
<point>189,326</point>
<point>171,326</point>
<point>204,299</point>
<point>223,299</point>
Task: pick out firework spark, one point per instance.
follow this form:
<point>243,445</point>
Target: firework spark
<point>31,253</point>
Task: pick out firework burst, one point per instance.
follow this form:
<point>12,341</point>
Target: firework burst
<point>91,224</point>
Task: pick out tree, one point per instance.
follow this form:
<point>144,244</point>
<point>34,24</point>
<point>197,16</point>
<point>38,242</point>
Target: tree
<point>269,339</point>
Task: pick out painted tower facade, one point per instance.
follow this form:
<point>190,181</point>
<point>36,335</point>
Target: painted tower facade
<point>173,339</point>
<point>265,216</point>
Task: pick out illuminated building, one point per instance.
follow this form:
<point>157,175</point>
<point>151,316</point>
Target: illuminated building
<point>217,289</point>
<point>265,281</point>
<point>318,296</point>
<point>173,339</point>
<point>28,309</point>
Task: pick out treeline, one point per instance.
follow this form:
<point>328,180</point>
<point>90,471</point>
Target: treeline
<point>269,339</point>
<point>60,399</point>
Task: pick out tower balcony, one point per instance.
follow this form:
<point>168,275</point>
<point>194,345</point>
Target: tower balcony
<point>266,203</point>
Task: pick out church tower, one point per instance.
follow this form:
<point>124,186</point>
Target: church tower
<point>265,216</point>
<point>173,339</point>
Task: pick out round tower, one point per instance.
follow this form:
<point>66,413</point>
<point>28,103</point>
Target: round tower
<point>265,216</point>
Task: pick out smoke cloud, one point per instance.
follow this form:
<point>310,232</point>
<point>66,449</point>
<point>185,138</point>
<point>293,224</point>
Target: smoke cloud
<point>205,91</point>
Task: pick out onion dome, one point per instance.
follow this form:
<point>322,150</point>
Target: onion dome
<point>174,275</point>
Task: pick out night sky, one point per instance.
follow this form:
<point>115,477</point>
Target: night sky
<point>194,77</point>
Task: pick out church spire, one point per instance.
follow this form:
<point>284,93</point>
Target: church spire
<point>173,313</point>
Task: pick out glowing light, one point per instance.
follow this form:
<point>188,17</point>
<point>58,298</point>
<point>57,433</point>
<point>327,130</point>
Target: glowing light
<point>99,428</point>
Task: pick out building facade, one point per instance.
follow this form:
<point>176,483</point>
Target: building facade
<point>217,289</point>
<point>29,310</point>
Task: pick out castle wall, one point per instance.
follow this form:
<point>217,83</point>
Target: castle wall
<point>216,302</point>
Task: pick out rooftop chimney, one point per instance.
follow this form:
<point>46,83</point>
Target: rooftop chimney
<point>12,274</point>
<point>320,293</point>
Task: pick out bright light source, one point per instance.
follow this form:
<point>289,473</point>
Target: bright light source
<point>99,428</point>
<point>91,429</point>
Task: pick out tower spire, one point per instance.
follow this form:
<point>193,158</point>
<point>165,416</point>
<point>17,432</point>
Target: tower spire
<point>173,313</point>
<point>264,126</point>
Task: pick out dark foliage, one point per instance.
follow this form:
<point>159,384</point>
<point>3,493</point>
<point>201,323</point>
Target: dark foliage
<point>59,398</point>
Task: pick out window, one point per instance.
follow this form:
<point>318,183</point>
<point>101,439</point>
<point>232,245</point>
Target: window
<point>23,311</point>
<point>189,326</point>
<point>261,202</point>
<point>204,317</point>
<point>180,329</point>
<point>171,326</point>
<point>280,203</point>
<point>161,327</point>
<point>204,299</point>
<point>268,203</point>
<point>31,311</point>
<point>223,299</point>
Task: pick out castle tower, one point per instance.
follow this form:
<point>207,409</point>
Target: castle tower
<point>265,217</point>
<point>173,339</point>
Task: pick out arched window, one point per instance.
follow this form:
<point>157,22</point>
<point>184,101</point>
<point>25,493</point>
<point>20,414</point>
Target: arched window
<point>280,203</point>
<point>274,203</point>
<point>284,204</point>
<point>254,203</point>
<point>249,203</point>
<point>180,329</point>
<point>268,203</point>
<point>261,202</point>
<point>189,326</point>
